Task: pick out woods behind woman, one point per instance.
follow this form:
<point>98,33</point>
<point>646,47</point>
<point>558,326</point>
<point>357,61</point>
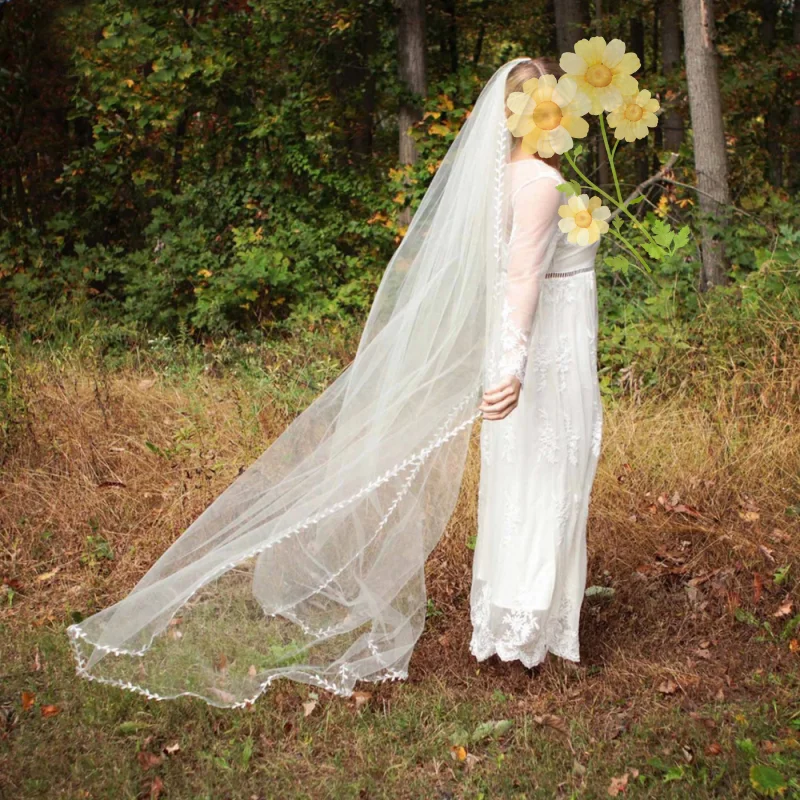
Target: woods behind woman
<point>310,565</point>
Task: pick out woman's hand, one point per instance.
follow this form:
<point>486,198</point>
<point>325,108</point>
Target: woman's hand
<point>500,401</point>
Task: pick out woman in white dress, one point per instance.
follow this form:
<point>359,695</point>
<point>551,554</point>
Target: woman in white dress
<point>538,463</point>
<point>310,566</point>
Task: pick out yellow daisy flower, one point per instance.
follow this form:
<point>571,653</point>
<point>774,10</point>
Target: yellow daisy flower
<point>634,116</point>
<point>546,115</point>
<point>583,219</point>
<point>602,71</point>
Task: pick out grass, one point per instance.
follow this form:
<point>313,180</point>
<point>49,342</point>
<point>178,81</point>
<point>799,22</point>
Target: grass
<point>689,680</point>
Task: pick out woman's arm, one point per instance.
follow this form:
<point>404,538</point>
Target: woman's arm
<point>535,213</point>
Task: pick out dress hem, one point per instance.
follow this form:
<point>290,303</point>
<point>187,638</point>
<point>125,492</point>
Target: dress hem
<point>519,656</point>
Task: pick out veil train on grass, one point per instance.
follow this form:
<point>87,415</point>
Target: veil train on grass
<point>310,565</point>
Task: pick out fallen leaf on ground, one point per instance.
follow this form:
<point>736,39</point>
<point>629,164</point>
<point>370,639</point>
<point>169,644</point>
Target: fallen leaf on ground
<point>458,752</point>
<point>221,663</point>
<point>471,761</point>
<point>28,699</point>
<point>758,586</point>
<point>667,687</point>
<point>785,608</point>
<point>618,785</point>
<point>147,759</point>
<point>50,711</point>
<point>308,707</point>
<point>156,787</point>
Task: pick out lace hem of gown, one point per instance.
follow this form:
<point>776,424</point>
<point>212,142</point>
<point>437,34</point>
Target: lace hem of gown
<point>521,635</point>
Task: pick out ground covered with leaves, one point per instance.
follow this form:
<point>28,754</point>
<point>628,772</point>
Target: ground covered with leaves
<point>689,677</point>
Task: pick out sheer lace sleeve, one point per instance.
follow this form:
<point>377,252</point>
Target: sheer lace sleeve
<point>535,213</point>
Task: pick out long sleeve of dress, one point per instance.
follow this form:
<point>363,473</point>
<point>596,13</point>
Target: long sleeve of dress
<point>534,213</point>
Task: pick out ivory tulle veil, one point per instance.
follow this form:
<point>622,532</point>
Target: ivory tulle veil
<point>310,565</point>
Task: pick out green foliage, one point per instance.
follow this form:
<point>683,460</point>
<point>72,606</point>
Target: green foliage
<point>651,323</point>
<point>218,169</point>
<point>217,190</point>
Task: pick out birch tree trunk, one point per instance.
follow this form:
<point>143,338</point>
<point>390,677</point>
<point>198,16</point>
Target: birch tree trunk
<point>710,158</point>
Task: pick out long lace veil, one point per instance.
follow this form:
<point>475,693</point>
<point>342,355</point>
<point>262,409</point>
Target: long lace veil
<point>310,565</point>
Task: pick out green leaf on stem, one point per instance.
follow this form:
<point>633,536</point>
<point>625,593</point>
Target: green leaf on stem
<point>663,233</point>
<point>654,251</point>
<point>618,263</point>
<point>682,237</point>
<point>567,188</point>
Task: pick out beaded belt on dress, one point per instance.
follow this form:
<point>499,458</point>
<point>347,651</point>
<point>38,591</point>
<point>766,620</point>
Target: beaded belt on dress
<point>568,274</point>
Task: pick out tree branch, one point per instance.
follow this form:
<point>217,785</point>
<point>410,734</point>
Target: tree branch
<point>659,176</point>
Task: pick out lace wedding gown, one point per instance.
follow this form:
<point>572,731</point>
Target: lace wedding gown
<point>538,464</point>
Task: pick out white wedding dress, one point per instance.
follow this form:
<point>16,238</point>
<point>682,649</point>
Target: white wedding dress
<point>538,464</point>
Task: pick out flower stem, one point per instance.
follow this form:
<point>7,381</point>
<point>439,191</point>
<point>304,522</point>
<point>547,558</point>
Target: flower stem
<point>630,247</point>
<point>608,197</point>
<point>610,156</point>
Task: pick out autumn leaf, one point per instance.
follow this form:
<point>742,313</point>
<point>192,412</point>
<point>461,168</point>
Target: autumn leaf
<point>147,760</point>
<point>50,711</point>
<point>310,704</point>
<point>28,699</point>
<point>361,698</point>
<point>46,576</point>
<point>785,608</point>
<point>221,663</point>
<point>667,687</point>
<point>156,787</point>
<point>618,785</point>
<point>458,752</point>
<point>758,586</point>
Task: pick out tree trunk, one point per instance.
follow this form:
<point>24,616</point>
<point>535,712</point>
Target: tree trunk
<point>672,120</point>
<point>710,158</point>
<point>452,33</point>
<point>569,24</point>
<point>794,115</point>
<point>642,168</point>
<point>411,40</point>
<point>772,123</point>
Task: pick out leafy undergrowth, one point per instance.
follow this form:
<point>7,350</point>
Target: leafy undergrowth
<point>689,677</point>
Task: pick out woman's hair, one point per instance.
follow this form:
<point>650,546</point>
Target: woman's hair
<point>525,70</point>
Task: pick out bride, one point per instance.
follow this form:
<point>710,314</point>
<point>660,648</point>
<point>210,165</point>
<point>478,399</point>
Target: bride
<point>538,464</point>
<point>310,565</point>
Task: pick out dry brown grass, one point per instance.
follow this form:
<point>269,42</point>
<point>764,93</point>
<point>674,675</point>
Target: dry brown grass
<point>688,514</point>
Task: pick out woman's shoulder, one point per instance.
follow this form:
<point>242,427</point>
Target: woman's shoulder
<point>528,167</point>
